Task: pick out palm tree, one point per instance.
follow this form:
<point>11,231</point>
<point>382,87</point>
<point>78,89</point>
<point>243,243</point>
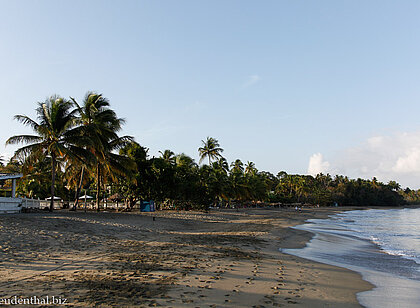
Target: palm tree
<point>237,166</point>
<point>210,149</point>
<point>183,160</point>
<point>250,168</point>
<point>100,124</point>
<point>53,135</point>
<point>168,156</point>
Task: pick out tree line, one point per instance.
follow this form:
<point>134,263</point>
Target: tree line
<point>78,146</point>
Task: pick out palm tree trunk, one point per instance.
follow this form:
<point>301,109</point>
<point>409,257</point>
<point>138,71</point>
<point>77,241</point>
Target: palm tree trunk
<point>98,185</point>
<point>79,188</point>
<point>53,162</point>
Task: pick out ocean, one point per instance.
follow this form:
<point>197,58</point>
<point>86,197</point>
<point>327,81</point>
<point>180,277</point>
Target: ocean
<point>382,245</point>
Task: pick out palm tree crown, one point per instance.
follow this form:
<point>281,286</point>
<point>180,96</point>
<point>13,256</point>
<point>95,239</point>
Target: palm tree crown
<point>250,168</point>
<point>53,135</point>
<point>210,149</point>
<point>168,156</point>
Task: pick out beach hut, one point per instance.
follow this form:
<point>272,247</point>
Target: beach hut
<point>13,177</point>
<point>147,206</point>
<point>12,204</point>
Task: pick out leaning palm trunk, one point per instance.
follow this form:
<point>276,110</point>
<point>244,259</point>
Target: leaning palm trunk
<point>53,162</point>
<point>98,185</point>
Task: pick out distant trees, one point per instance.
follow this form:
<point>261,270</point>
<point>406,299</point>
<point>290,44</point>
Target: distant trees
<point>411,196</point>
<point>79,146</point>
<point>325,190</point>
<point>177,181</point>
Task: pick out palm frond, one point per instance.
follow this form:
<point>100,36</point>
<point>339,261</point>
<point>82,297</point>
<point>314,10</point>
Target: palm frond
<point>25,120</point>
<point>23,152</point>
<point>23,139</point>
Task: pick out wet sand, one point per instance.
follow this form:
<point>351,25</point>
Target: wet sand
<point>225,258</point>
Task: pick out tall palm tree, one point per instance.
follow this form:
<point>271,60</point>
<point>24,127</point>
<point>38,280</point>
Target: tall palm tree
<point>101,125</point>
<point>210,149</point>
<point>53,135</point>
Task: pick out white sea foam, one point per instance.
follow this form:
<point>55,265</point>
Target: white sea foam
<point>396,232</point>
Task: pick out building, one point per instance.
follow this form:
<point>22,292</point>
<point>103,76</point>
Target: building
<point>10,204</point>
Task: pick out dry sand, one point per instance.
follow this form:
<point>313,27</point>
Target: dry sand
<point>223,258</point>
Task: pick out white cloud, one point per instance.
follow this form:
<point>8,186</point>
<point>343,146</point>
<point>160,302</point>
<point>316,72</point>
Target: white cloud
<point>318,165</point>
<point>409,162</point>
<point>387,157</point>
<point>253,79</point>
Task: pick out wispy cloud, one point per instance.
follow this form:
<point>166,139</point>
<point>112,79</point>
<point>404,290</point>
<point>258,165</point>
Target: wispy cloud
<point>253,79</point>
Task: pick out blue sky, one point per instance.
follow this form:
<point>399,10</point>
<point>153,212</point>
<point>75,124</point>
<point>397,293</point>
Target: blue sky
<point>300,86</point>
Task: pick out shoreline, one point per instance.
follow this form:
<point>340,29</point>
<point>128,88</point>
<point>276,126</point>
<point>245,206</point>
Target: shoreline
<point>389,273</point>
<point>339,283</point>
<point>224,258</point>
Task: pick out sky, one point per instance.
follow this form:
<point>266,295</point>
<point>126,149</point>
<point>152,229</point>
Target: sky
<point>298,86</point>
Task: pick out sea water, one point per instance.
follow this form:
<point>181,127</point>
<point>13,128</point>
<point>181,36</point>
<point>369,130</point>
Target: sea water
<point>382,245</point>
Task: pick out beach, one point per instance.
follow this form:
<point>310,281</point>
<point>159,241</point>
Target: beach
<point>224,258</point>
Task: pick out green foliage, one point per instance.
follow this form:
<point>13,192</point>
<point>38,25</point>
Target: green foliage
<point>411,196</point>
<point>325,190</point>
<point>79,149</point>
<point>100,125</point>
<point>53,136</point>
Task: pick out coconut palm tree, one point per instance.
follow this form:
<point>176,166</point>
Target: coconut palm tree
<point>250,168</point>
<point>101,125</point>
<point>210,149</point>
<point>183,160</point>
<point>237,166</point>
<point>168,156</point>
<point>53,136</point>
<point>223,163</point>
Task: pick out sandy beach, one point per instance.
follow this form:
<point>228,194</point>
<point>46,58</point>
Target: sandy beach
<point>224,258</point>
